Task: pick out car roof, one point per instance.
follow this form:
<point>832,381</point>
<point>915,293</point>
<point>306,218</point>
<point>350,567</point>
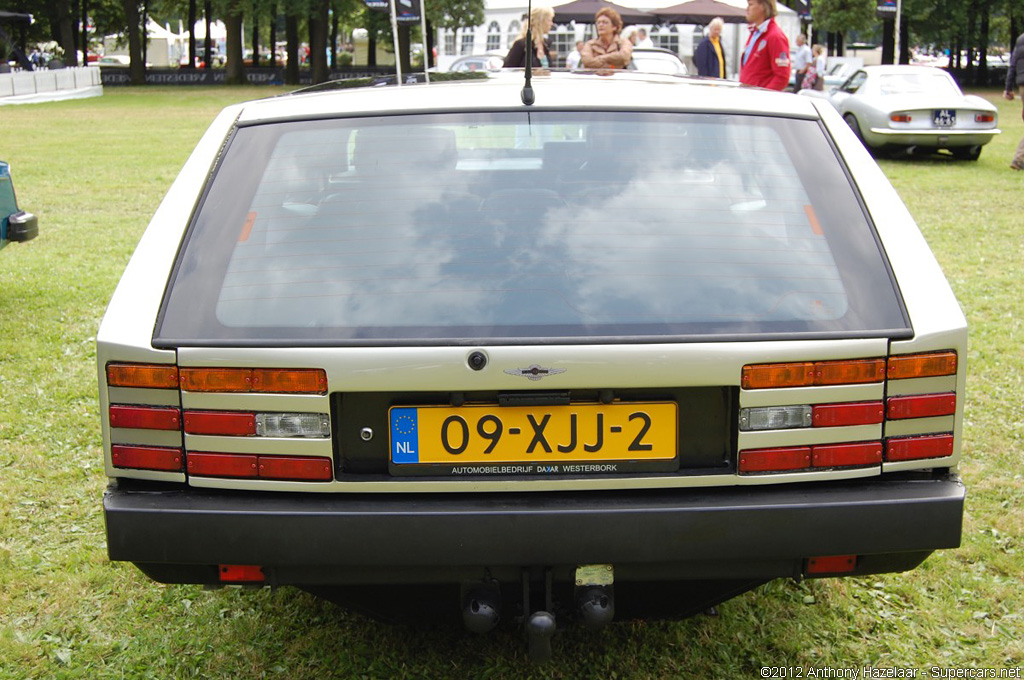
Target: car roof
<point>893,69</point>
<point>606,90</point>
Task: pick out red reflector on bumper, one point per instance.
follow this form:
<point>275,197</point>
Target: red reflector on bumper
<point>305,469</point>
<point>840,455</point>
<point>832,564</point>
<point>915,448</point>
<point>222,465</point>
<point>921,406</point>
<point>240,573</point>
<point>774,460</point>
<point>228,423</point>
<point>160,458</point>
<point>145,417</point>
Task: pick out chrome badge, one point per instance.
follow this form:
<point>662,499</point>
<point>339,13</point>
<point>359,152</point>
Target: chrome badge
<point>534,372</point>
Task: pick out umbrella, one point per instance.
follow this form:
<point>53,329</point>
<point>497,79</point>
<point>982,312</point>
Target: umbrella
<point>701,12</point>
<point>583,11</point>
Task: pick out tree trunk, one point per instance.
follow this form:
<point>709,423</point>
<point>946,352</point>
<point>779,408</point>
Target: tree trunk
<point>137,68</point>
<point>235,64</point>
<point>273,35</point>
<point>255,38</point>
<point>333,47</point>
<point>65,31</point>
<point>191,33</point>
<point>404,48</point>
<point>983,45</point>
<point>207,40</point>
<point>318,41</point>
<point>291,31</point>
<point>888,41</point>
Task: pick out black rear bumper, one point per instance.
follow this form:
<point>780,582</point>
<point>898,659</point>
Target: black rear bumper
<point>682,533</point>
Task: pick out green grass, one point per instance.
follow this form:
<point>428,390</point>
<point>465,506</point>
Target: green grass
<point>95,170</point>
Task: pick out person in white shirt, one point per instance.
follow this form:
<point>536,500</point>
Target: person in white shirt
<point>801,59</point>
<point>642,41</point>
<point>572,62</point>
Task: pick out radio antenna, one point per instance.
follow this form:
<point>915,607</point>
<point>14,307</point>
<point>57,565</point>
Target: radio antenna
<point>527,93</point>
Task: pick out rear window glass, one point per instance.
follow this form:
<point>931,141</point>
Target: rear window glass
<point>510,227</point>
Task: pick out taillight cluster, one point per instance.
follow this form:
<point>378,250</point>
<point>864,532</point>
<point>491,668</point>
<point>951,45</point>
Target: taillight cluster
<point>893,409</point>
<point>150,418</point>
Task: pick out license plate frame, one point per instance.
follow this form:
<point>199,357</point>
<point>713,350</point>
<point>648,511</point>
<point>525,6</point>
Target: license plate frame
<point>529,441</point>
<point>944,118</point>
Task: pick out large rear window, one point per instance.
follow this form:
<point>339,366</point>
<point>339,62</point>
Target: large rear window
<point>514,227</point>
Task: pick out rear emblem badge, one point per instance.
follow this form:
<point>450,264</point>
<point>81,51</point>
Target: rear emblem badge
<point>534,372</point>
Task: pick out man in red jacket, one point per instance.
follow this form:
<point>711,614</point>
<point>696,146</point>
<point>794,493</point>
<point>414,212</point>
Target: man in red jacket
<point>765,60</point>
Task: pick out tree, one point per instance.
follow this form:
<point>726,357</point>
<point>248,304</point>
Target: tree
<point>840,16</point>
<point>137,68</point>
<point>235,65</point>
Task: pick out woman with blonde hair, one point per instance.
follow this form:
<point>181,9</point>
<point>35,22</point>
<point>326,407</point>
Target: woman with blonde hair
<point>609,49</point>
<point>541,20</point>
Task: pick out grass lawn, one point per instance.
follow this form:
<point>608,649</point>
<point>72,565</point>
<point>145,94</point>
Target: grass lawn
<point>95,170</point>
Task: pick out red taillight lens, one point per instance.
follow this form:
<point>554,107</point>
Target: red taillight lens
<point>984,118</point>
<point>291,468</point>
<point>921,406</point>
<point>839,415</point>
<point>240,573</point>
<point>294,468</point>
<point>222,465</point>
<point>914,448</point>
<point>900,118</point>
<point>775,460</point>
<point>846,455</point>
<point>921,365</point>
<point>229,423</point>
<point>142,375</point>
<point>832,564</point>
<point>145,417</point>
<point>160,458</point>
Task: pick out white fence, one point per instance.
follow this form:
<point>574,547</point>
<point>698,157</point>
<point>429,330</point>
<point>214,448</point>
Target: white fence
<point>23,87</point>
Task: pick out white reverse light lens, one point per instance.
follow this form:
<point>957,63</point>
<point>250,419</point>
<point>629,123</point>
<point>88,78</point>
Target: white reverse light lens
<point>293,425</point>
<point>775,417</point>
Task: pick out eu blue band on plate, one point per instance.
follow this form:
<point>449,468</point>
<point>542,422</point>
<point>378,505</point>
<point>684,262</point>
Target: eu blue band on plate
<point>404,436</point>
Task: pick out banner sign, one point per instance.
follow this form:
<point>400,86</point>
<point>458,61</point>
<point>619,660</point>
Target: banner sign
<point>885,10</point>
<point>407,11</point>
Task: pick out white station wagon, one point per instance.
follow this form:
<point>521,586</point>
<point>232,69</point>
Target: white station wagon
<point>628,351</point>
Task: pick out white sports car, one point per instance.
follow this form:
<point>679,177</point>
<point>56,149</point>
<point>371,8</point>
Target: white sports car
<point>914,108</point>
<point>431,351</point>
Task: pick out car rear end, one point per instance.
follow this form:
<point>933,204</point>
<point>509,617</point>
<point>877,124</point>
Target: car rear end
<point>571,359</point>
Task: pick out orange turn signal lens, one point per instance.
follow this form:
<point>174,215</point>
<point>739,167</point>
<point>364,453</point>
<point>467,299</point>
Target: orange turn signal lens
<point>156,376</point>
<point>216,379</point>
<point>762,376</point>
<point>984,118</point>
<point>806,374</point>
<point>922,365</point>
<point>304,381</point>
<point>900,118</point>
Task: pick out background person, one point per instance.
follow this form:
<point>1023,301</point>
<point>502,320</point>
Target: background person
<point>540,22</point>
<point>609,49</point>
<point>709,57</point>
<point>572,62</point>
<point>642,40</point>
<point>1015,80</point>
<point>802,60</point>
<point>765,61</point>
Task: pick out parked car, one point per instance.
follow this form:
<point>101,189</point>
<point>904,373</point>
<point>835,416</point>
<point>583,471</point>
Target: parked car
<point>477,62</point>
<point>432,352</point>
<point>657,60</point>
<point>914,108</point>
<point>15,225</point>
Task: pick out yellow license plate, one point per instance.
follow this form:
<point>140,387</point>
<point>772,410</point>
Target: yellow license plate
<point>534,434</point>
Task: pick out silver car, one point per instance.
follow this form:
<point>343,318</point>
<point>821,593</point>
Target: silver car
<point>914,108</point>
<point>432,352</point>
